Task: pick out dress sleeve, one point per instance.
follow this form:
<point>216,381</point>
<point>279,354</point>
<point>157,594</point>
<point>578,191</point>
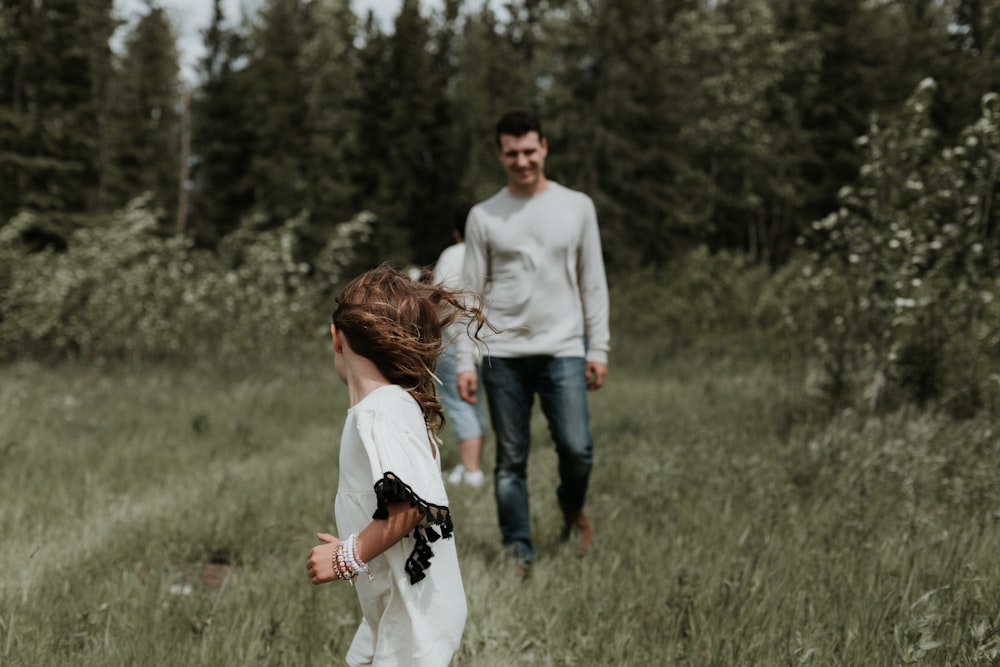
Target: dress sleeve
<point>404,470</point>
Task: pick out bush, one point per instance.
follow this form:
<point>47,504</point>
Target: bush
<point>690,301</point>
<point>121,290</point>
<point>898,292</point>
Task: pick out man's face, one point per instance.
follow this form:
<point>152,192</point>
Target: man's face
<point>523,158</point>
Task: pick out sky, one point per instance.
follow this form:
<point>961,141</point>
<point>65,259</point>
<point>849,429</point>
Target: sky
<point>192,16</point>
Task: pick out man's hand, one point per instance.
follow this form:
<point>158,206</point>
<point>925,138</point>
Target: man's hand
<point>596,372</point>
<point>466,381</point>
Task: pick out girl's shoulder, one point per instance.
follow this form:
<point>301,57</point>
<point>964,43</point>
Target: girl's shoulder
<point>390,399</point>
<point>387,417</point>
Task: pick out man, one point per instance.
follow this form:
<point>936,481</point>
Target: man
<point>533,251</point>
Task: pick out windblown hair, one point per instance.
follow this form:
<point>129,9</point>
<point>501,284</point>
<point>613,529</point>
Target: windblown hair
<point>396,323</point>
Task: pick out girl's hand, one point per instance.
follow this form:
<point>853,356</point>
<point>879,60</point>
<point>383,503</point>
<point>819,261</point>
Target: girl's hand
<point>320,561</point>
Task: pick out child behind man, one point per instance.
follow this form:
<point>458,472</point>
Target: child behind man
<point>468,420</point>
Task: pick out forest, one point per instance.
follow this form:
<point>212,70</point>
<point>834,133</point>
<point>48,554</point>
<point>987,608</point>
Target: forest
<point>796,448</point>
<point>823,171</point>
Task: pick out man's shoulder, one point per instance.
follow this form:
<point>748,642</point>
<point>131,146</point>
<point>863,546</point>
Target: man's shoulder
<point>503,198</point>
<point>493,201</point>
<point>561,190</point>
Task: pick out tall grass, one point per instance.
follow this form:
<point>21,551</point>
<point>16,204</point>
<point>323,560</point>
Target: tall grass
<point>161,515</point>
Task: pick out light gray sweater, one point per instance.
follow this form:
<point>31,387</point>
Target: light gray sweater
<point>537,262</point>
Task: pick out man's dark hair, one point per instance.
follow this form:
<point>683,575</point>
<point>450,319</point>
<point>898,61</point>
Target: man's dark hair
<point>517,123</point>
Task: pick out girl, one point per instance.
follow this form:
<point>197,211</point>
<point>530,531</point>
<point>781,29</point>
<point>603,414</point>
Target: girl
<point>391,499</point>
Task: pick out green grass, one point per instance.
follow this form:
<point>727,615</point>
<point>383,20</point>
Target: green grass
<point>162,515</point>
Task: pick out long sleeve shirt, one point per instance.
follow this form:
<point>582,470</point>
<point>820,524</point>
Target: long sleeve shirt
<point>538,263</point>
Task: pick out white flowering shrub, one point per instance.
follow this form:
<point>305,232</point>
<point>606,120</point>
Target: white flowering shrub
<point>122,290</point>
<point>899,291</point>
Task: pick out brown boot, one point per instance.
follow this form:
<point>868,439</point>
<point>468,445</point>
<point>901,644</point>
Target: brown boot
<point>580,524</point>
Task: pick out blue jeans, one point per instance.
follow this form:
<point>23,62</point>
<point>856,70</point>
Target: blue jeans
<point>561,385</point>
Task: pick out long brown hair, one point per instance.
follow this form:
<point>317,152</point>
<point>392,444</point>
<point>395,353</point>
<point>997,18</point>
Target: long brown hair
<point>396,323</point>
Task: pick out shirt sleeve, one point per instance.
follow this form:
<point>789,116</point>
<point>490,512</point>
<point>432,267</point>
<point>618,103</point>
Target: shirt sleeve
<point>475,269</point>
<point>594,289</point>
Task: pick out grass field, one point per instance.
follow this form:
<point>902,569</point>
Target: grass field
<point>159,515</point>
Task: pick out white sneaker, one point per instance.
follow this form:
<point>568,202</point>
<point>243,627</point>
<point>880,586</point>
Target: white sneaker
<point>456,475</point>
<point>459,475</point>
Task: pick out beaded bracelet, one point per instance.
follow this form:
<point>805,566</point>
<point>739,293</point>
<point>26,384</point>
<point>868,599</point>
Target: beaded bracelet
<point>340,567</point>
<point>346,562</point>
<point>354,559</point>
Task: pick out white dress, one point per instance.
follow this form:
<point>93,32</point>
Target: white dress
<point>414,610</point>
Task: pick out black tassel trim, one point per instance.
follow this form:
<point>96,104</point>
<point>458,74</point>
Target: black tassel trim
<point>390,490</point>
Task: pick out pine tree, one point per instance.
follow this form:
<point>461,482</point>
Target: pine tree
<point>491,78</point>
<point>144,119</point>
<point>745,131</point>
<point>222,134</point>
<point>335,151</point>
<point>616,103</point>
<point>278,115</point>
<point>401,87</point>
<point>55,64</point>
<point>445,200</point>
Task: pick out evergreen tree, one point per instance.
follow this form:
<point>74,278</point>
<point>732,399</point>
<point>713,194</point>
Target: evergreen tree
<point>617,103</point>
<point>857,45</point>
<point>55,63</point>
<point>403,198</point>
<point>335,151</point>
<point>871,55</point>
<point>974,51</point>
<point>277,113</point>
<point>144,119</point>
<point>490,78</point>
<point>745,131</point>
<point>444,199</point>
<point>221,134</point>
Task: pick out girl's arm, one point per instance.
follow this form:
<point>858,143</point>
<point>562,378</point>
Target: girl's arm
<point>378,536</point>
<point>381,534</point>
